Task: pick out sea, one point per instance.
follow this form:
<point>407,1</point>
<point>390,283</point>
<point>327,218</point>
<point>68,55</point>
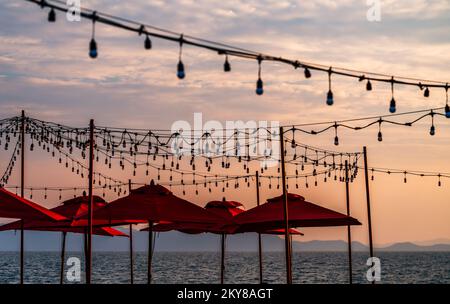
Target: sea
<point>204,267</point>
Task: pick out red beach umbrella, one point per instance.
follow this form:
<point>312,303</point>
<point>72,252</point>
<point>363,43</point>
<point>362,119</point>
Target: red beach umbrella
<point>69,209</point>
<point>301,214</point>
<point>14,206</point>
<point>152,203</point>
<point>225,209</point>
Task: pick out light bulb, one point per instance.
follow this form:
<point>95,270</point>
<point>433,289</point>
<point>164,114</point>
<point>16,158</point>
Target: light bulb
<point>147,43</point>
<point>226,65</point>
<point>380,136</point>
<point>336,141</point>
<point>432,130</point>
<point>330,100</point>
<point>51,16</point>
<point>426,93</point>
<point>180,70</point>
<point>369,86</point>
<point>259,87</point>
<point>293,144</point>
<point>93,53</point>
<point>307,73</point>
<point>392,106</point>
<point>447,111</point>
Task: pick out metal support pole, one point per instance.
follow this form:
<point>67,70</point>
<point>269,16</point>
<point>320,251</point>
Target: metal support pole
<point>369,217</point>
<point>22,260</point>
<point>131,243</point>
<point>22,193</point>
<point>90,203</point>
<point>150,252</point>
<point>222,259</point>
<point>349,234</point>
<point>287,238</point>
<point>85,251</point>
<point>259,234</point>
<point>63,257</point>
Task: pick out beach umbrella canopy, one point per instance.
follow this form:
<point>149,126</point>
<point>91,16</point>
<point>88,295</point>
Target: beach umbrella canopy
<point>301,214</point>
<point>226,209</point>
<point>14,206</point>
<point>152,203</point>
<point>69,209</point>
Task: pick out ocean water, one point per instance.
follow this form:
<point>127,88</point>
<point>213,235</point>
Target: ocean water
<point>204,267</point>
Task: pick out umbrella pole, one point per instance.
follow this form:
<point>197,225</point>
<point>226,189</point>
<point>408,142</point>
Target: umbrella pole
<point>22,190</point>
<point>85,253</point>
<point>63,257</point>
<point>222,259</point>
<point>131,255</point>
<point>131,243</point>
<point>150,252</point>
<point>349,233</point>
<point>91,202</point>
<point>259,234</point>
<point>21,251</point>
<point>287,238</point>
<point>369,217</point>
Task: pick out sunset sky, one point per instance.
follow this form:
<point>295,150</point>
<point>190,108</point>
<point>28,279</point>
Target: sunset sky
<point>45,70</point>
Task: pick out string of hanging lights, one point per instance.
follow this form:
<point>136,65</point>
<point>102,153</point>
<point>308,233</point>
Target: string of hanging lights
<point>76,190</point>
<point>223,182</point>
<point>130,142</point>
<point>12,161</point>
<point>227,50</point>
<point>379,121</point>
<point>405,173</point>
<point>55,148</point>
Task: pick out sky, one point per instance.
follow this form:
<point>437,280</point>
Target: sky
<point>45,70</point>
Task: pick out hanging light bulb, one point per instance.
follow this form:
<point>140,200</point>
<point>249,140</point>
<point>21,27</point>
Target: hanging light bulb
<point>259,82</point>
<point>259,87</point>
<point>369,86</point>
<point>180,67</point>
<point>147,43</point>
<point>93,49</point>
<point>426,93</point>
<point>180,70</point>
<point>392,105</point>
<point>330,100</point>
<point>93,52</point>
<point>432,128</point>
<point>226,65</point>
<point>307,73</point>
<point>52,15</point>
<point>336,138</point>
<point>380,136</point>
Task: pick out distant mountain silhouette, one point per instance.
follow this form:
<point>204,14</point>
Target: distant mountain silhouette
<point>176,241</point>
